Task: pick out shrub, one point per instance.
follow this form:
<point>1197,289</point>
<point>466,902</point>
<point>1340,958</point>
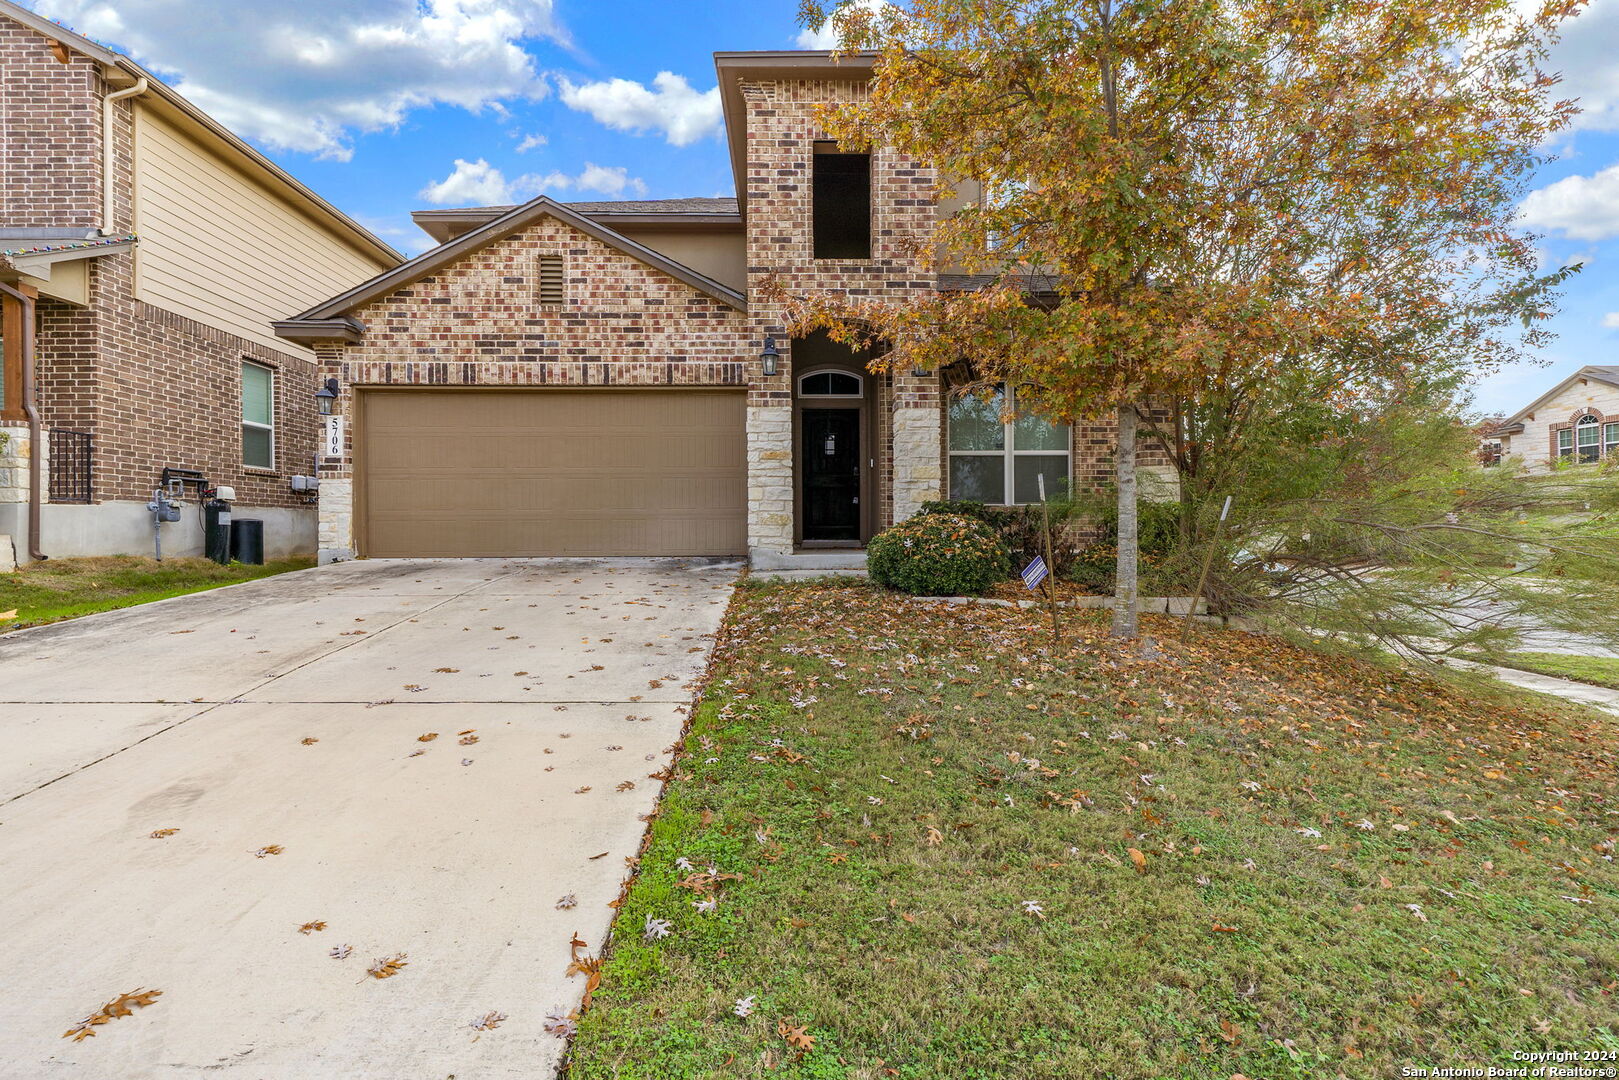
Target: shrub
<point>1022,528</point>
<point>938,555</point>
<point>1163,569</point>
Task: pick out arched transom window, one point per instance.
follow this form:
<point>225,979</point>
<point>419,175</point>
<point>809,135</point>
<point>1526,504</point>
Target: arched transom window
<point>830,384</point>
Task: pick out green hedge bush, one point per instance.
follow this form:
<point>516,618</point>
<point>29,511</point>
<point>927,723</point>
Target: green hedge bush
<point>1022,528</point>
<point>938,555</point>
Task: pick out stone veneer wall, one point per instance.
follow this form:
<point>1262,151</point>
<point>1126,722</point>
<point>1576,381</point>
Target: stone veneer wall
<point>477,322</point>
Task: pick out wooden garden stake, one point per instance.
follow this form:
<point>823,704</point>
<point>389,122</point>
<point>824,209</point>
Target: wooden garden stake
<point>1051,565</point>
<point>1208,562</point>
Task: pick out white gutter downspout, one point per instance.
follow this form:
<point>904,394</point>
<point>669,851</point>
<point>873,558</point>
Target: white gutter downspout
<point>107,172</point>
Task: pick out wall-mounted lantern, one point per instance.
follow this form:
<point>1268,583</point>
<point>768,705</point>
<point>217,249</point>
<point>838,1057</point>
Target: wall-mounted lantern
<point>770,357</point>
<point>326,396</point>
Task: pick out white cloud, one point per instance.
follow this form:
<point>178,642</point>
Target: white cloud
<point>473,183</point>
<point>306,74</point>
<point>531,142</point>
<point>608,180</point>
<point>1581,207</point>
<point>1610,321</point>
<point>672,107</point>
<point>1585,57</point>
<point>478,183</point>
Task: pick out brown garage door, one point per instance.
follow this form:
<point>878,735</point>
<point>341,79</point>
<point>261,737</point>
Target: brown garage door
<point>465,473</point>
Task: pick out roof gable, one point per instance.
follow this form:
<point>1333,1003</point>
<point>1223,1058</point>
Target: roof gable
<point>1603,373</point>
<point>333,319</point>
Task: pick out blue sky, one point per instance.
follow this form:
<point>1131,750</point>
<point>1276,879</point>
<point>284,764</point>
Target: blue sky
<point>388,106</point>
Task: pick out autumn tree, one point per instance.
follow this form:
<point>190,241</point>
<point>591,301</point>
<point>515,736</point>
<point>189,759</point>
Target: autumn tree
<point>1205,195</point>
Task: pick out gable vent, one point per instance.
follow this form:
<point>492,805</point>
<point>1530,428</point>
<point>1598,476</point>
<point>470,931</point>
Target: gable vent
<point>551,293</point>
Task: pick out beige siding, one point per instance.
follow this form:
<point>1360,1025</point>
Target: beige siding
<point>219,248</point>
<point>1534,447</point>
<point>721,255</point>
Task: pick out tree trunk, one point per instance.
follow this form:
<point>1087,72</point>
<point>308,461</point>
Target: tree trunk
<point>1125,605</point>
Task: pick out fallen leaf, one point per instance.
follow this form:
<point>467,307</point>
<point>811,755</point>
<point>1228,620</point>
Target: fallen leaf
<point>386,967</point>
<point>117,1007</point>
<point>796,1037</point>
<point>158,834</point>
<point>429,737</point>
<point>311,927</point>
<point>488,1021</point>
<point>1139,859</point>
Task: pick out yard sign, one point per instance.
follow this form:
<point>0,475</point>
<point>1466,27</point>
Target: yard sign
<point>1035,573</point>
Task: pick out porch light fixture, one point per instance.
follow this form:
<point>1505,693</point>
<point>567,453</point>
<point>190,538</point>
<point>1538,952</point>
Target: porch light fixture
<point>920,373</point>
<point>770,357</point>
<point>325,396</point>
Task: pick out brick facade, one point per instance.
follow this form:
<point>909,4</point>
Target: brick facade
<point>782,128</point>
<point>50,134</point>
<point>153,388</point>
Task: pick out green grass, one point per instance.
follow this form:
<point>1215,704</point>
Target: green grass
<point>892,780</point>
<point>1597,670</point>
<point>67,588</point>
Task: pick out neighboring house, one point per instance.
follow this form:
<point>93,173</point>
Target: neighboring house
<point>155,248</point>
<point>606,379</point>
<point>1576,421</point>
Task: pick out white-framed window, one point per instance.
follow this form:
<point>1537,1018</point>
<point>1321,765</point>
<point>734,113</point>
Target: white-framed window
<point>258,416</point>
<point>831,383</point>
<point>1589,440</point>
<point>998,453</point>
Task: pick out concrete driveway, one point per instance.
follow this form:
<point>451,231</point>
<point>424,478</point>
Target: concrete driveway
<point>289,712</point>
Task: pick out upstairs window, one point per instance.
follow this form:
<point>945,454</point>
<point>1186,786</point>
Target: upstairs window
<point>258,416</point>
<point>999,462</point>
<point>842,203</point>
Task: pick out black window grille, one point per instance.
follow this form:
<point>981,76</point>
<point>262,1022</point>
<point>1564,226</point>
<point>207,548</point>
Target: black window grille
<point>70,463</point>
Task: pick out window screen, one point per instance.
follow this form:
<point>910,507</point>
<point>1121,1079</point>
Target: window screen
<point>842,203</point>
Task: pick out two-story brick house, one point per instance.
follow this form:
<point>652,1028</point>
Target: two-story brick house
<point>607,378</point>
<point>144,251</point>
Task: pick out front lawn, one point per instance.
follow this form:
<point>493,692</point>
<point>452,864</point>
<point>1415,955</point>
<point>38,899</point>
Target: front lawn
<point>1597,670</point>
<point>67,588</point>
<point>959,855</point>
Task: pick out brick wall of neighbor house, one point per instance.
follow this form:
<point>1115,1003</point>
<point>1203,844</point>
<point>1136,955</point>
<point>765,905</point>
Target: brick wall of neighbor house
<point>782,129</point>
<point>155,389</point>
<point>477,322</point>
<point>151,387</point>
<point>50,134</point>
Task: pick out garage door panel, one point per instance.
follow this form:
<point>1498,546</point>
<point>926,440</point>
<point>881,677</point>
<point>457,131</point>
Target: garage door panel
<point>553,472</point>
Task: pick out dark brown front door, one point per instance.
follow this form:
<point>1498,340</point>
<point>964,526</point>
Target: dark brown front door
<point>831,473</point>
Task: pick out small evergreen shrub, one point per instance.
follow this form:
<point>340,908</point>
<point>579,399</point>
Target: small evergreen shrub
<point>938,555</point>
